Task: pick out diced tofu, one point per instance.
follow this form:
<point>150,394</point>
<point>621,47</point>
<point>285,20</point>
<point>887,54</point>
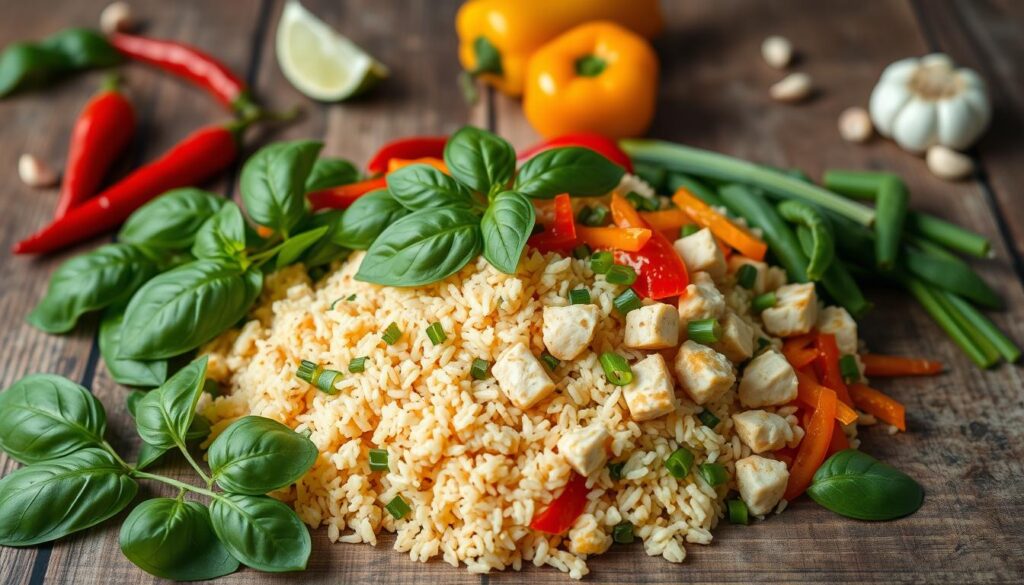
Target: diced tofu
<point>585,448</point>
<point>737,342</point>
<point>768,380</point>
<point>736,262</point>
<point>774,278</point>
<point>838,322</point>
<point>704,373</point>
<point>522,377</point>
<point>701,300</point>
<point>795,311</point>
<point>652,327</point>
<point>569,330</point>
<point>700,253</point>
<point>652,392</point>
<point>761,483</point>
<point>761,430</point>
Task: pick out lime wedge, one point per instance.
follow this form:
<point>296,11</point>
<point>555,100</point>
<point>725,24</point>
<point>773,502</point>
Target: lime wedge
<point>318,61</point>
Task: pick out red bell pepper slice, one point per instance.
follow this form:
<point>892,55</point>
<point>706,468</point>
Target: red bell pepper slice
<point>839,440</point>
<point>814,446</point>
<point>560,236</point>
<point>342,196</point>
<point>407,148</point>
<point>600,144</point>
<point>563,511</point>
<point>827,366</point>
<point>660,271</point>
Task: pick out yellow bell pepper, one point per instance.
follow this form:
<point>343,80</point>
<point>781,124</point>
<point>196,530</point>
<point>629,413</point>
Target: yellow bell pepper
<point>497,37</point>
<point>598,77</point>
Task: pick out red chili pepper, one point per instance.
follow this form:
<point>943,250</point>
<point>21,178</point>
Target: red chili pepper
<point>560,236</point>
<point>102,131</point>
<point>827,366</point>
<point>189,63</point>
<point>342,196</point>
<point>563,511</point>
<point>198,157</point>
<point>600,144</point>
<point>407,148</point>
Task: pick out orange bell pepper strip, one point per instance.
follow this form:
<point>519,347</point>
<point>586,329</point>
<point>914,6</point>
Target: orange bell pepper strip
<point>563,511</point>
<point>881,406</point>
<point>666,220</point>
<point>884,366</point>
<point>814,446</point>
<point>613,238</point>
<point>808,393</point>
<point>624,214</point>
<point>397,163</point>
<point>828,366</point>
<point>797,352</point>
<point>342,196</point>
<point>561,234</point>
<point>736,236</point>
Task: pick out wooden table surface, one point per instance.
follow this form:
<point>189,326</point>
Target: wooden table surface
<point>966,428</point>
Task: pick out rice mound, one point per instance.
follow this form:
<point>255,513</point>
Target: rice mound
<point>473,467</point>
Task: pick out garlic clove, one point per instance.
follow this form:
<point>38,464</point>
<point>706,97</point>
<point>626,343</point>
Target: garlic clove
<point>957,124</point>
<point>777,51</point>
<point>793,88</point>
<point>948,164</point>
<point>915,126</point>
<point>117,17</point>
<point>855,125</point>
<point>977,99</point>
<point>886,101</point>
<point>34,172</point>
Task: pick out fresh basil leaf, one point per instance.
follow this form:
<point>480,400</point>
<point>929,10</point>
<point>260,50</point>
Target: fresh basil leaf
<point>184,308</point>
<point>574,170</point>
<point>856,485</point>
<point>422,186</point>
<point>506,225</point>
<point>256,455</point>
<point>83,48</point>
<point>46,501</point>
<point>365,219</point>
<point>325,250</point>
<point>171,221</point>
<point>146,374</point>
<point>261,532</point>
<point>479,159</point>
<point>174,539</point>
<point>331,172</point>
<point>222,237</point>
<point>273,183</point>
<point>423,247</point>
<point>106,276</point>
<point>148,454</point>
<point>294,246</point>
<point>44,416</point>
<point>163,417</point>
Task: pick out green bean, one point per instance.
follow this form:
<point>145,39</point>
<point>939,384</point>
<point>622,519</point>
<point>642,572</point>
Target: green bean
<point>891,212</point>
<point>855,184</point>
<point>837,280</point>
<point>700,190</point>
<point>854,242</point>
<point>979,339</point>
<point>823,249</point>
<point>780,238</point>
<point>653,175</point>
<point>939,313</point>
<point>1006,347</point>
<point>950,274</point>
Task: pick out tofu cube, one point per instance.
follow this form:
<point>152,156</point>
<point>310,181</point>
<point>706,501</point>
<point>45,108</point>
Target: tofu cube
<point>768,380</point>
<point>701,300</point>
<point>569,330</point>
<point>652,327</point>
<point>761,430</point>
<point>704,373</point>
<point>652,392</point>
<point>700,253</point>
<point>795,312</point>
<point>585,448</point>
<point>761,483</point>
<point>736,262</point>
<point>737,342</point>
<point>838,322</point>
<point>522,377</point>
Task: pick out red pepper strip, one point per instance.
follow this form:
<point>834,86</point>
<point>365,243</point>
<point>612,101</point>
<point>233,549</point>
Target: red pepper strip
<point>828,367</point>
<point>561,234</point>
<point>600,144</point>
<point>189,63</point>
<point>839,441</point>
<point>881,406</point>
<point>563,511</point>
<point>814,445</point>
<point>342,196</point>
<point>809,392</point>
<point>892,365</point>
<point>407,148</point>
<point>797,352</point>
<point>101,133</point>
<point>198,157</point>
<point>660,271</point>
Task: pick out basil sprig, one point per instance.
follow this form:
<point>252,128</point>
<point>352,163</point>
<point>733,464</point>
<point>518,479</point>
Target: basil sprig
<point>856,485</point>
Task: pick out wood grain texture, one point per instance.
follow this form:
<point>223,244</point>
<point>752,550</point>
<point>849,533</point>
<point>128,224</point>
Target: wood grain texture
<point>966,439</point>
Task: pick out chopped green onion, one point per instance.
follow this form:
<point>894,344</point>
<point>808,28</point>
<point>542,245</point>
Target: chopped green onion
<point>619,274</point>
<point>549,360</point>
<point>436,333</point>
<point>738,512</point>
<point>580,252</point>
<point>623,533</point>
<point>679,463</point>
<point>315,374</point>
<point>746,276</point>
<point>762,302</point>
<point>392,334</point>
<point>579,296</point>
<point>351,297</point>
<point>627,301</point>
<point>708,418</point>
<point>688,230</point>
<point>713,473</point>
<point>704,331</point>
<point>595,216</point>
<point>602,262</point>
<point>479,369</point>
<point>398,508</point>
<point>378,459</point>
<point>615,470</point>
<point>334,303</point>
<point>640,202</point>
<point>848,368</point>
<point>616,369</point>
<point>357,365</point>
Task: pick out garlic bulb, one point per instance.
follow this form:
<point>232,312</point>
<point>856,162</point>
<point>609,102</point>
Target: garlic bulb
<point>927,101</point>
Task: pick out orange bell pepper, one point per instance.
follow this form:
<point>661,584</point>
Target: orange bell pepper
<point>839,441</point>
<point>881,406</point>
<point>397,163</point>
<point>624,214</point>
<point>736,236</point>
<point>666,220</point>
<point>809,391</point>
<point>814,446</point>
<point>613,238</point>
<point>598,77</point>
<point>891,365</point>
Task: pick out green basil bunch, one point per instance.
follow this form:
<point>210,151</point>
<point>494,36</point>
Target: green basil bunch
<point>30,65</point>
<point>427,225</point>
<point>75,479</point>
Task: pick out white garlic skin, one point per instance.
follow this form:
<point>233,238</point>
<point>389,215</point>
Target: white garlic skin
<point>117,17</point>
